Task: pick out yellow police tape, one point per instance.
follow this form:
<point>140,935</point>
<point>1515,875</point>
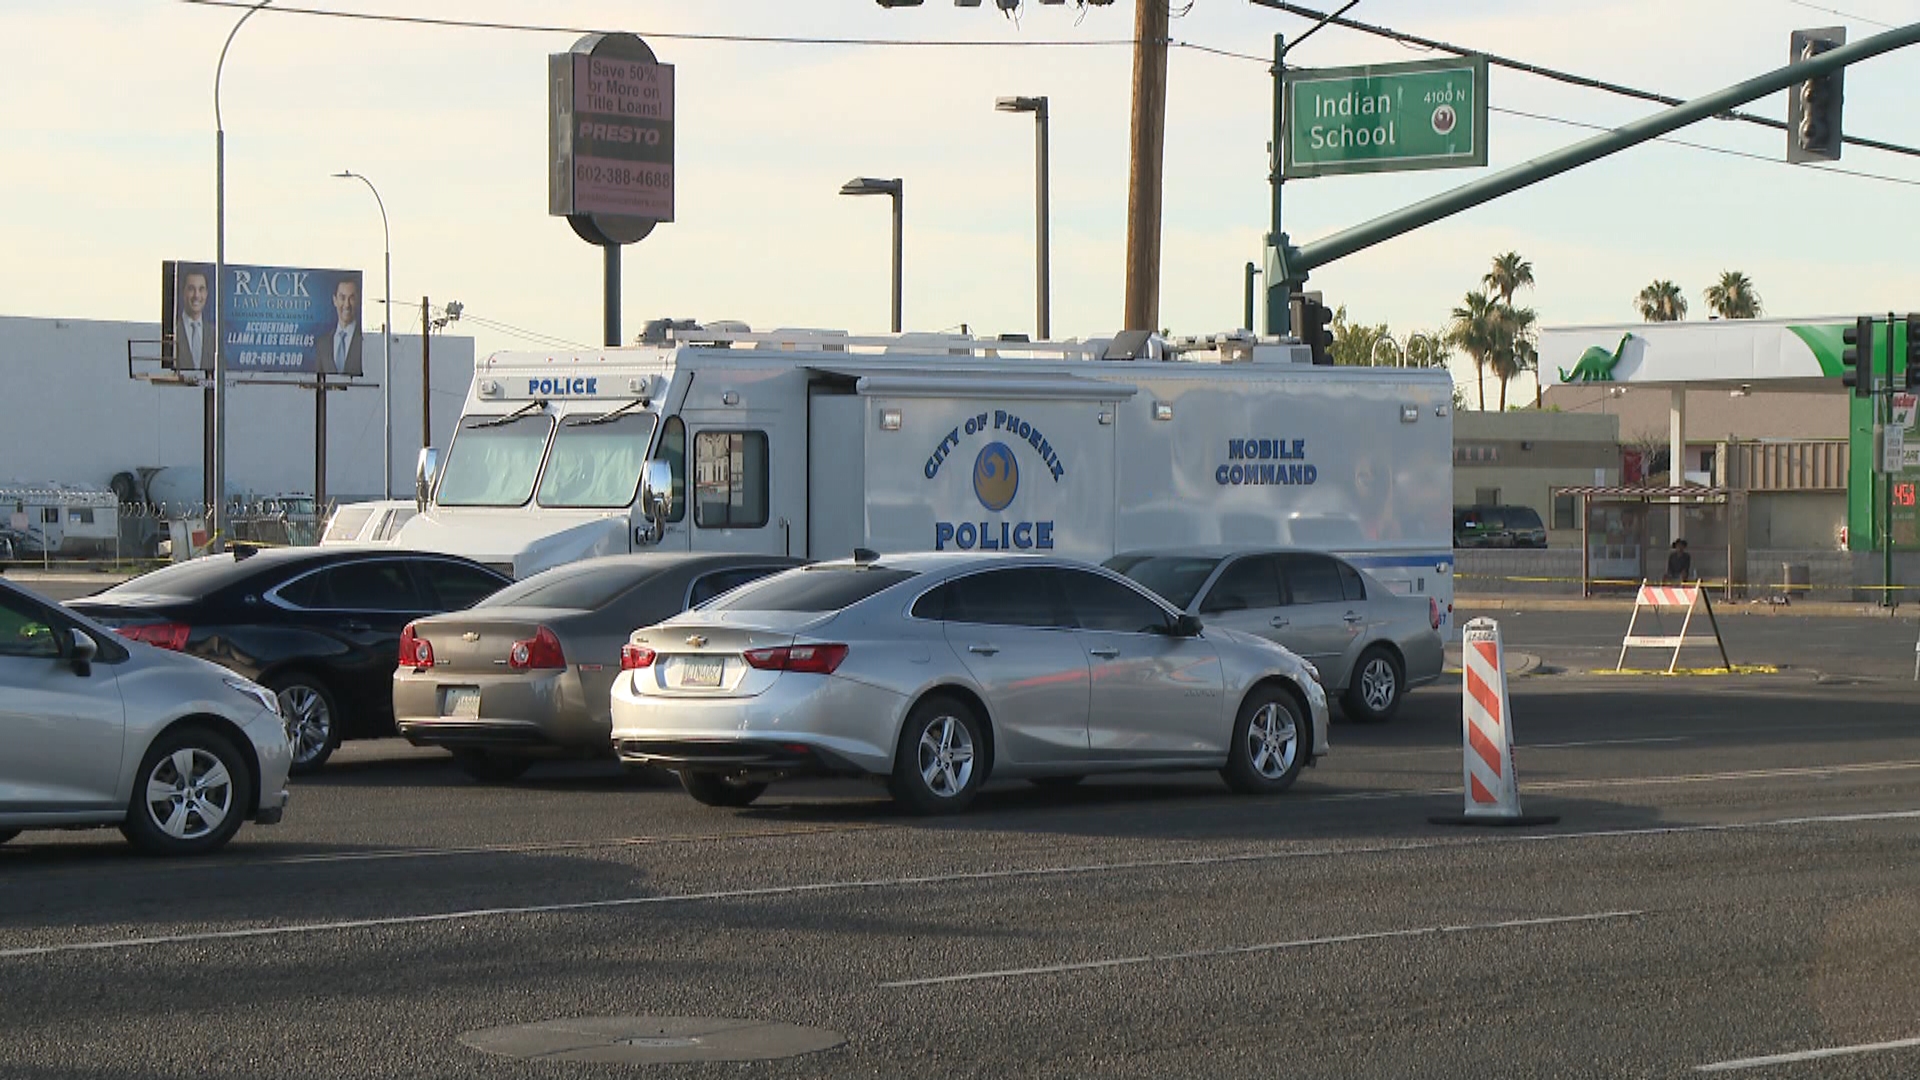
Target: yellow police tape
<point>1738,669</point>
<point>1719,585</point>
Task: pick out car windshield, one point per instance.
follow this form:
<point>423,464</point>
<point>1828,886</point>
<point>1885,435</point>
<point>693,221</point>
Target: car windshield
<point>815,588</point>
<point>596,463</point>
<point>493,461</point>
<point>1177,578</point>
<point>575,588</point>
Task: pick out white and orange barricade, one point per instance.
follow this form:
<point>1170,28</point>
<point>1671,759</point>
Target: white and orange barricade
<point>1656,597</point>
<point>1491,785</point>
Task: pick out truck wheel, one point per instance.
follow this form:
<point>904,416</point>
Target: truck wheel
<point>941,760</point>
<point>190,795</point>
<point>1269,743</point>
<point>308,704</point>
<point>1376,686</point>
<point>713,789</point>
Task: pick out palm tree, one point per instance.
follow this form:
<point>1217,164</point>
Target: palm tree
<point>1510,274</point>
<point>1733,296</point>
<point>1475,328</point>
<point>1663,301</point>
<point>1513,350</point>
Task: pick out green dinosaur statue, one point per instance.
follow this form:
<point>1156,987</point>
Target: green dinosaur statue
<point>1596,364</point>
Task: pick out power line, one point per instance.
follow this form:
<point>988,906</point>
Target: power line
<point>1842,14</point>
<point>736,39</point>
<point>1561,76</point>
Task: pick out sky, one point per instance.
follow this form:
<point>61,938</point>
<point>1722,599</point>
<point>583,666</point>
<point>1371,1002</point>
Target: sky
<point>110,128</point>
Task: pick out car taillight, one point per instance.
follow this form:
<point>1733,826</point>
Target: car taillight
<point>415,651</point>
<point>542,650</point>
<point>811,659</point>
<point>1433,612</point>
<point>635,657</point>
<point>165,635</point>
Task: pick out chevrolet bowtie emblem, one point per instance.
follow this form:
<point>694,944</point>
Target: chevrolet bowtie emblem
<point>697,641</point>
<point>470,636</point>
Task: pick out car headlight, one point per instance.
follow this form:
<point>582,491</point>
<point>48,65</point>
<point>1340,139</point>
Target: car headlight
<point>254,692</point>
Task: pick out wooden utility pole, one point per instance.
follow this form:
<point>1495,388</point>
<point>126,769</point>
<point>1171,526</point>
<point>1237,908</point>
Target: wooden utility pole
<point>1150,29</point>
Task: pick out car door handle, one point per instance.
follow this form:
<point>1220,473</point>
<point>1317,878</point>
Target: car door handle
<point>1278,623</point>
<point>356,626</point>
<point>1105,653</point>
<point>983,650</point>
<point>1351,617</point>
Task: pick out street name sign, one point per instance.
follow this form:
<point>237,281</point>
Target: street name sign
<point>1425,114</point>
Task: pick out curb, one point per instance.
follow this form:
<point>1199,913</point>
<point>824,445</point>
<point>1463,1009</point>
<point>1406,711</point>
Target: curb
<point>1624,605</point>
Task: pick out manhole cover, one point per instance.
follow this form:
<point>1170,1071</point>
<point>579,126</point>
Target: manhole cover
<point>649,1040</point>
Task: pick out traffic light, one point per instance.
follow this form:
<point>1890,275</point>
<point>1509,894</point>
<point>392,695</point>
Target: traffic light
<point>1857,357</point>
<point>1813,109</point>
<point>1312,322</point>
<point>1908,359</point>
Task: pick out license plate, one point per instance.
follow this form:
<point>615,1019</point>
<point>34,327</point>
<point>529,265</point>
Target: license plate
<point>460,701</point>
<point>701,672</point>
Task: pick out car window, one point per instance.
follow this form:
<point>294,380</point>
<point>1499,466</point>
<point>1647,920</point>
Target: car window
<point>1175,578</point>
<point>1523,517</point>
<point>708,586</point>
<point>815,588</point>
<point>730,479</point>
<point>455,586</point>
<point>347,522</point>
<point>1313,579</point>
<point>1251,582</point>
<point>1351,584</point>
<point>1101,603</point>
<point>24,630</point>
<point>374,585</point>
<point>585,586</point>
<point>1021,596</point>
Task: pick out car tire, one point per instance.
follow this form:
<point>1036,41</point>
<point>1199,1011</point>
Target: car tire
<point>308,705</point>
<point>716,789</point>
<point>1376,686</point>
<point>940,761</point>
<point>8,834</point>
<point>1056,783</point>
<point>1270,743</point>
<point>190,796</point>
<point>489,768</point>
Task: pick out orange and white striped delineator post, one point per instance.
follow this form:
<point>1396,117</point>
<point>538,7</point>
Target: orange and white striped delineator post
<point>1492,788</point>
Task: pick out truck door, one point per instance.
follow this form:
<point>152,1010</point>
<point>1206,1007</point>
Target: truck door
<point>746,486</point>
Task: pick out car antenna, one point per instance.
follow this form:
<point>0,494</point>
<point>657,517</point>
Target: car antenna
<point>863,556</point>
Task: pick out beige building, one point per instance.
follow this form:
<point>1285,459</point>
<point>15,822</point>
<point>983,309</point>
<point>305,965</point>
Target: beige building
<point>1517,458</point>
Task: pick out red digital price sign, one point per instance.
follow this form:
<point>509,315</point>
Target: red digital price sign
<point>1903,493</point>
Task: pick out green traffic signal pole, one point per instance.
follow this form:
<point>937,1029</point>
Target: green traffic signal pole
<point>1287,266</point>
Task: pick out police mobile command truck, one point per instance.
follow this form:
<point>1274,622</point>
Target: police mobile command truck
<point>810,443</point>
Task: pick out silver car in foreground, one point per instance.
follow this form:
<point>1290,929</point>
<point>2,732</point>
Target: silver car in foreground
<point>97,731</point>
<point>1370,644</point>
<point>936,671</point>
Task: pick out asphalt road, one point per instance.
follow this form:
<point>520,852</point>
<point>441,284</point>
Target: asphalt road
<point>1733,877</point>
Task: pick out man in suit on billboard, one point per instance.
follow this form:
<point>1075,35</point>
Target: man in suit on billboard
<point>337,350</point>
<point>192,327</point>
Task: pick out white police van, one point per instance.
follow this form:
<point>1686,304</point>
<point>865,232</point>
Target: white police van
<point>810,443</point>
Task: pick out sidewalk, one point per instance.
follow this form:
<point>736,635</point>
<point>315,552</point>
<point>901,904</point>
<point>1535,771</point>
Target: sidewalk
<point>1470,603</point>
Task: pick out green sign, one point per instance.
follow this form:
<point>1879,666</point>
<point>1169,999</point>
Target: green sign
<point>1427,114</point>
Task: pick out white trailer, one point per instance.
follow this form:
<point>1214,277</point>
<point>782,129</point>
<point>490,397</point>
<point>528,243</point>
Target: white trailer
<point>60,519</point>
<point>811,443</point>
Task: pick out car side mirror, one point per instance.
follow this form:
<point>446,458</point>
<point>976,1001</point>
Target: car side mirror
<point>425,471</point>
<point>84,649</point>
<point>1187,626</point>
<point>656,495</point>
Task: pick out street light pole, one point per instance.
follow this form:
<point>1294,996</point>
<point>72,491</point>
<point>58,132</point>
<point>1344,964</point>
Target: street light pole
<point>866,185</point>
<point>217,518</point>
<point>386,340</point>
<point>1042,256</point>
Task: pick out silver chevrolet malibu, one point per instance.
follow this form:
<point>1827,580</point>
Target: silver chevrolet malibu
<point>936,671</point>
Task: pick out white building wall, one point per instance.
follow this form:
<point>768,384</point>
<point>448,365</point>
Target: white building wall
<point>70,413</point>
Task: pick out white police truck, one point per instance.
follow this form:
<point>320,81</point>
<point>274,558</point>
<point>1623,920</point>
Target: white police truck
<point>811,443</point>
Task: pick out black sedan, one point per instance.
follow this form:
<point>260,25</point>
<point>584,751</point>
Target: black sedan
<point>318,626</point>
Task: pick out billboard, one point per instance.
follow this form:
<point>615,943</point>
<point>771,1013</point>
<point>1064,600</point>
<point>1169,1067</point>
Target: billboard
<point>610,138</point>
<point>279,319</point>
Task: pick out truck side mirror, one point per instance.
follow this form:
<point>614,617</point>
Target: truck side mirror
<point>656,494</point>
<point>425,472</point>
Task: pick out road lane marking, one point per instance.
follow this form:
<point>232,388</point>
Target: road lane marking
<point>962,877</point>
<point>537,846</point>
<point>1603,742</point>
<point>1246,950</point>
<point>1806,1055</point>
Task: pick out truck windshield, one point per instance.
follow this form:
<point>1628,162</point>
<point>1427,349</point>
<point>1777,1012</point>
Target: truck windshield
<point>596,460</point>
<point>493,462</point>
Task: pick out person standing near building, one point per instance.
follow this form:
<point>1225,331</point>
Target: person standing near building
<point>1679,564</point>
<point>337,350</point>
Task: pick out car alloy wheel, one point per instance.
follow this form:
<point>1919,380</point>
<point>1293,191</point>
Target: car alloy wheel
<point>310,714</point>
<point>189,794</point>
<point>1377,684</point>
<point>1273,741</point>
<point>1270,742</point>
<point>946,757</point>
<point>941,759</point>
<point>1374,692</point>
